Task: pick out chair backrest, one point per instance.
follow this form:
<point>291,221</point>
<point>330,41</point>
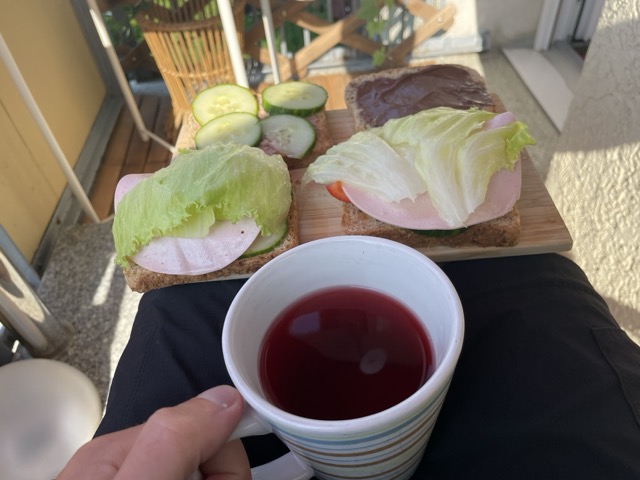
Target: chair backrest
<point>188,44</point>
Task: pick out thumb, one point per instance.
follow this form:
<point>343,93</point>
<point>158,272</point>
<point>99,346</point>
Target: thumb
<point>176,441</point>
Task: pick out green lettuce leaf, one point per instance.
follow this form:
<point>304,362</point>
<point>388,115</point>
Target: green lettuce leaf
<point>444,152</point>
<point>455,156</point>
<point>368,162</point>
<point>200,187</point>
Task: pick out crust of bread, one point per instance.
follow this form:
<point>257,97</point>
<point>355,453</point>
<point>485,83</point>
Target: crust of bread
<point>142,280</point>
<point>351,90</point>
<point>499,232</point>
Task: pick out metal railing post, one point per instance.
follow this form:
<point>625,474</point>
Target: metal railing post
<point>27,318</point>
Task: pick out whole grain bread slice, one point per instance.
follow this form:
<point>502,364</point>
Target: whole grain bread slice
<point>142,280</point>
<point>499,232</point>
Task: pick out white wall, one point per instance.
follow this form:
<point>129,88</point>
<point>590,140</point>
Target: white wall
<point>507,22</point>
<point>511,22</point>
<point>594,176</point>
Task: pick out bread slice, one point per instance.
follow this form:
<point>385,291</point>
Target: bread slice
<point>142,280</point>
<point>499,232</point>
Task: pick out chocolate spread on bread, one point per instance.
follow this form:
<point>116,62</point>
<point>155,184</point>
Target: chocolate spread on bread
<point>384,98</point>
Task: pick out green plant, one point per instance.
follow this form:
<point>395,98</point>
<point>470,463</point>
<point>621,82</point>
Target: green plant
<point>122,25</point>
<point>371,11</point>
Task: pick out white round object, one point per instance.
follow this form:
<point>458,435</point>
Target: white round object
<point>48,409</point>
<point>502,193</point>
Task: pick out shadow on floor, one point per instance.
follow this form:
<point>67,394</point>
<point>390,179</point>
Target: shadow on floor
<point>84,286</point>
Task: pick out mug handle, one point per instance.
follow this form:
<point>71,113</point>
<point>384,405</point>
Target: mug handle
<point>287,467</point>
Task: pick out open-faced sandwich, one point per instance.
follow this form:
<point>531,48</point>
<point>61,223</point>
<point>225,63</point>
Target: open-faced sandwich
<point>432,163</point>
<point>219,212</point>
<point>286,119</point>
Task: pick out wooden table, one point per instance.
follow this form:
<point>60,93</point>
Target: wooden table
<point>344,32</point>
<point>543,229</point>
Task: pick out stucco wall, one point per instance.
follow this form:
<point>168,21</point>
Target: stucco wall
<point>594,175</point>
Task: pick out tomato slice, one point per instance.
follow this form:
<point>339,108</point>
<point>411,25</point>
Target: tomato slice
<point>336,191</point>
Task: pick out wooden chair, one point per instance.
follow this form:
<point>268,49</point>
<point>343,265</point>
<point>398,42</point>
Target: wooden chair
<point>187,42</point>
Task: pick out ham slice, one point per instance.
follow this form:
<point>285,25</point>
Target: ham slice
<point>225,243</point>
<point>502,193</point>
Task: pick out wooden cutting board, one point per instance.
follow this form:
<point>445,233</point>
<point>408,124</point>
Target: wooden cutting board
<point>543,229</point>
<point>320,215</point>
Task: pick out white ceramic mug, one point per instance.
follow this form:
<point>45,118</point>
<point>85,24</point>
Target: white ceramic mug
<point>387,444</point>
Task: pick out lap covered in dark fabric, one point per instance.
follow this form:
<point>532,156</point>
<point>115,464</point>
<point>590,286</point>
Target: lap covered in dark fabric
<point>173,354</point>
<point>547,385</point>
<point>534,396</point>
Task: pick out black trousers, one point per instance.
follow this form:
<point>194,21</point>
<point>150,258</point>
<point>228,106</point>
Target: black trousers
<point>547,385</point>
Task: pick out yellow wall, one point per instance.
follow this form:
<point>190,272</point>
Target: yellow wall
<point>51,53</point>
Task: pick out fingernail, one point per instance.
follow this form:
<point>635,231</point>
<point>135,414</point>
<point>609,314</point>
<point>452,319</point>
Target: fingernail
<point>224,396</point>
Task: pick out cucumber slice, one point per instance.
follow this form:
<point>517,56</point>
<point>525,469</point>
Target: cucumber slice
<point>290,135</point>
<point>237,127</point>
<point>293,97</point>
<point>265,244</point>
<point>221,99</point>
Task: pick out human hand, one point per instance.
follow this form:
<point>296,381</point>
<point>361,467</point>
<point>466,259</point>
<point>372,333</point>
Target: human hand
<point>171,445</point>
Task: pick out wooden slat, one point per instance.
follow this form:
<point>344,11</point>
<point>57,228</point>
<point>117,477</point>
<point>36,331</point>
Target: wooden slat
<point>119,142</point>
<point>101,194</point>
<point>139,148</point>
<point>126,152</point>
<point>103,189</point>
<point>159,156</point>
<point>434,21</point>
<point>346,31</point>
<point>332,36</point>
<point>320,26</point>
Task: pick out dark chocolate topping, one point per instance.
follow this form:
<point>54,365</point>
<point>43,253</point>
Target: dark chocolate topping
<point>383,98</point>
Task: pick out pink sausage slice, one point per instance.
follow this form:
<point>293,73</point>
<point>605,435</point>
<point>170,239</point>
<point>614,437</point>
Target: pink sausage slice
<point>502,193</point>
<point>225,243</point>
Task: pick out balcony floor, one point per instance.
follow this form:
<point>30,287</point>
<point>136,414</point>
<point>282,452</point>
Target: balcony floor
<point>128,153</point>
